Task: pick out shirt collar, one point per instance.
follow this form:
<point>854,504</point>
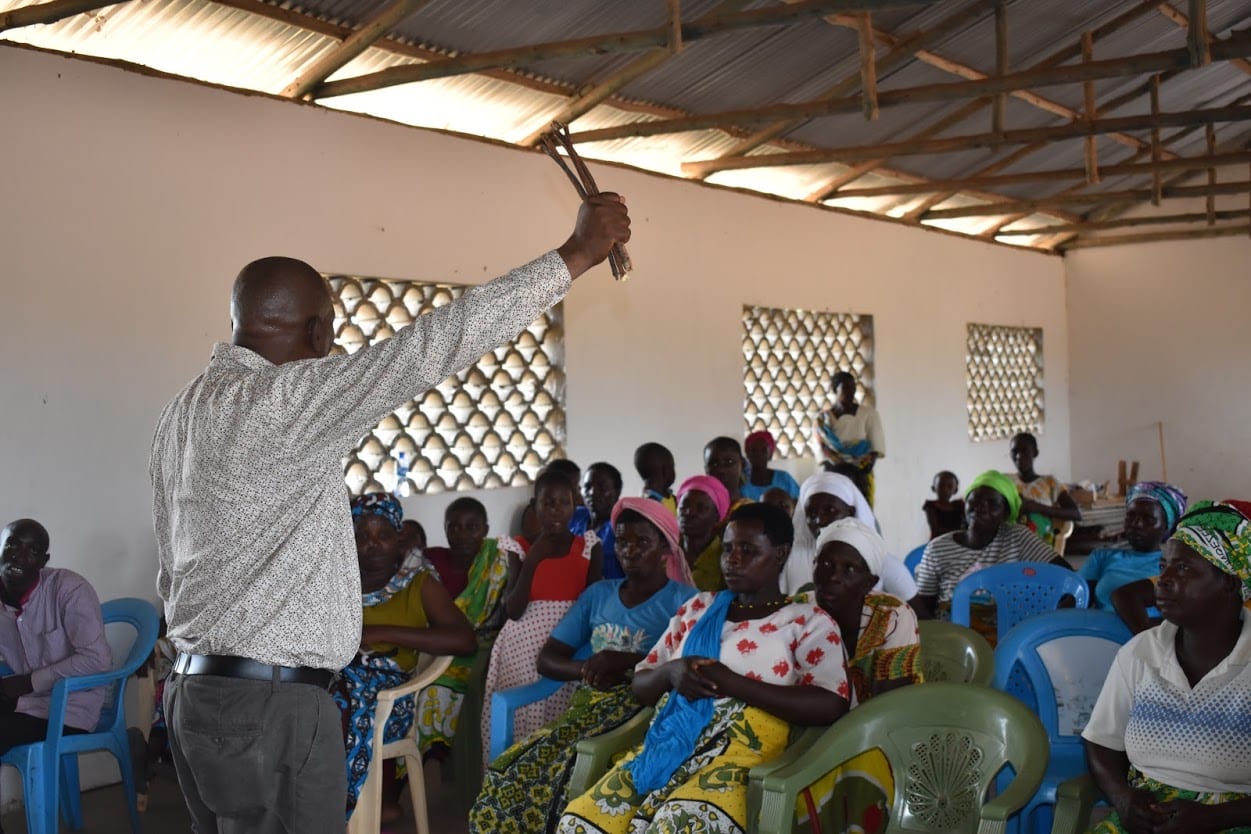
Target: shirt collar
<point>224,352</point>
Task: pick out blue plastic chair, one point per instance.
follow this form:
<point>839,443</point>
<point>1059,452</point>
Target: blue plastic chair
<point>506,702</point>
<point>913,559</point>
<point>1056,663</point>
<point>1020,590</point>
<point>42,762</point>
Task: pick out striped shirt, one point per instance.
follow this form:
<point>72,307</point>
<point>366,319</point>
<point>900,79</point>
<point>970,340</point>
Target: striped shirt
<point>945,561</point>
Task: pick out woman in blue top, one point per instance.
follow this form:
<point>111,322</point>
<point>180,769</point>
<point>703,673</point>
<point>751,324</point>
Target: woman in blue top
<point>758,448</point>
<point>1152,509</point>
<point>524,789</point>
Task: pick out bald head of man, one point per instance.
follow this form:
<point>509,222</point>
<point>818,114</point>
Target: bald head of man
<point>281,309</point>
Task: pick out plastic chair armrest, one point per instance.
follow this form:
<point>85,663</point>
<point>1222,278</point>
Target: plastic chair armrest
<point>506,702</point>
<point>1074,800</point>
<point>5,669</point>
<point>79,683</point>
<point>418,681</point>
<point>595,755</point>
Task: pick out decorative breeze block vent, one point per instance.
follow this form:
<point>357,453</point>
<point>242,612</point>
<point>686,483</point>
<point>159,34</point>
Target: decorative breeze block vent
<point>1005,380</point>
<point>788,359</point>
<point>494,424</point>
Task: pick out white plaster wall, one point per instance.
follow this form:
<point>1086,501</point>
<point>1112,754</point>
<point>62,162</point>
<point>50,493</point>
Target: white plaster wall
<point>1158,333</point>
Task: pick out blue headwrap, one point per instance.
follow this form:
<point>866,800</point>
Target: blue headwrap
<point>1171,499</point>
<point>671,737</point>
<point>381,504</point>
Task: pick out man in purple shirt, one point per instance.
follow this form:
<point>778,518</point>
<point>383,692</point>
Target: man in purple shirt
<point>50,628</point>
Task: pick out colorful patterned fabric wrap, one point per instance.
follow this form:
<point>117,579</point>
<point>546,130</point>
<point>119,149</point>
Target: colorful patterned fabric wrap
<point>356,692</point>
<point>1221,534</point>
<point>1112,824</point>
<point>1171,499</point>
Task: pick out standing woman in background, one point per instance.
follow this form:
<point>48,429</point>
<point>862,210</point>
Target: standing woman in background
<point>849,432</point>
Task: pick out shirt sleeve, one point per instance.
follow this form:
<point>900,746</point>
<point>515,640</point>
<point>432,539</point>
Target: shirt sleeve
<point>783,480</point>
<point>1094,566</point>
<point>1110,716</point>
<point>84,630</point>
<point>927,571</point>
<point>896,580</point>
<point>819,655</point>
<point>666,647</point>
<point>574,629</point>
<point>873,430</point>
<point>330,403</point>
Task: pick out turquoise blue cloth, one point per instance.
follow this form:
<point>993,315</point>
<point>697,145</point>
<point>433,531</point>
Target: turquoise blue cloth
<point>600,618</point>
<point>1111,567</point>
<point>671,738</point>
<point>781,480</point>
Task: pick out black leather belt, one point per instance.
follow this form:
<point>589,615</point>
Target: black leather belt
<point>228,666</point>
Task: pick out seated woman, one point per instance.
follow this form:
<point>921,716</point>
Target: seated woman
<point>524,790</point>
<point>883,645</point>
<point>542,587</point>
<point>702,505</point>
<point>1152,509</point>
<point>1168,738</point>
<point>406,612</point>
<point>723,460</point>
<point>993,538</point>
<point>738,669</point>
<point>759,447</point>
<point>825,498</point>
<point>1044,500</point>
<point>474,569</point>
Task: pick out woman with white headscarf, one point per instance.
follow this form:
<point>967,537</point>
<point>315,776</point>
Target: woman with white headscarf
<point>824,498</point>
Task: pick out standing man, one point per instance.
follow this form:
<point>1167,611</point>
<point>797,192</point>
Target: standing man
<point>258,564</point>
<point>50,628</point>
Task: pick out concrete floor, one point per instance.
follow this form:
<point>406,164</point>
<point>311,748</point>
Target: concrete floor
<point>104,809</point>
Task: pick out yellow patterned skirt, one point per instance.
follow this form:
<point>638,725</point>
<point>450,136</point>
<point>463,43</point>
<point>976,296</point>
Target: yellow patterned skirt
<point>707,793</point>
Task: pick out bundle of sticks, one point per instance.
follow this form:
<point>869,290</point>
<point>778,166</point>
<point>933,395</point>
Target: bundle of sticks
<point>551,143</point>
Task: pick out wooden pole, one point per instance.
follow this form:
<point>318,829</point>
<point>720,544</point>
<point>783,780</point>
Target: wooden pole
<point>997,123</point>
<point>1198,40</point>
<point>868,68</point>
<point>1052,175</point>
<point>1124,223</point>
<point>1072,74</point>
<point>1210,131</point>
<point>954,144</point>
<point>713,24</point>
<point>1152,237</point>
<point>370,32</point>
<point>1176,192</point>
<point>1163,459</point>
<point>674,8</point>
<point>1088,89</point>
<point>49,12</point>
<point>1156,182</point>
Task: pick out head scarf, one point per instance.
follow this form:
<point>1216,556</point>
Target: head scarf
<point>1001,484</point>
<point>1171,499</point>
<point>866,541</point>
<point>711,487</point>
<point>830,483</point>
<point>381,504</point>
<point>663,519</point>
<point>1221,534</point>
<point>767,437</point>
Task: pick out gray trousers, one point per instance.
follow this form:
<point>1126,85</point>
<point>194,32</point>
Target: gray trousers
<point>255,757</point>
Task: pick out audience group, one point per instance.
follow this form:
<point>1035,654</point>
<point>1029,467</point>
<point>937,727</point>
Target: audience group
<point>740,606</point>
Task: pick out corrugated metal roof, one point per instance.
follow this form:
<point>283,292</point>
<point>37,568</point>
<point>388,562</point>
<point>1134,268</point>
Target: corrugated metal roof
<point>265,48</point>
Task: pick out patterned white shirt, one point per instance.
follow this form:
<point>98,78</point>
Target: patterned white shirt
<point>1195,738</point>
<point>254,535</point>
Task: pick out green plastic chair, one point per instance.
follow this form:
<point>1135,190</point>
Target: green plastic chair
<point>1075,799</point>
<point>945,743</point>
<point>955,654</point>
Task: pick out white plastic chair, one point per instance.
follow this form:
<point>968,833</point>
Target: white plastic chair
<point>366,819</point>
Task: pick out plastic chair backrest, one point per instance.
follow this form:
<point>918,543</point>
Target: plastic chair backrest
<point>914,558</point>
<point>956,654</point>
<point>945,742</point>
<point>142,616</point>
<point>1020,590</point>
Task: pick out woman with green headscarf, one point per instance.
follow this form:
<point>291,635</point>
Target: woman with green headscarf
<point>1169,741</point>
<point>993,537</point>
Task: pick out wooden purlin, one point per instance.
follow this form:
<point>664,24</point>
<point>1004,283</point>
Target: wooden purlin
<point>1153,237</point>
<point>44,13</point>
<point>1125,223</point>
<point>1135,195</point>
